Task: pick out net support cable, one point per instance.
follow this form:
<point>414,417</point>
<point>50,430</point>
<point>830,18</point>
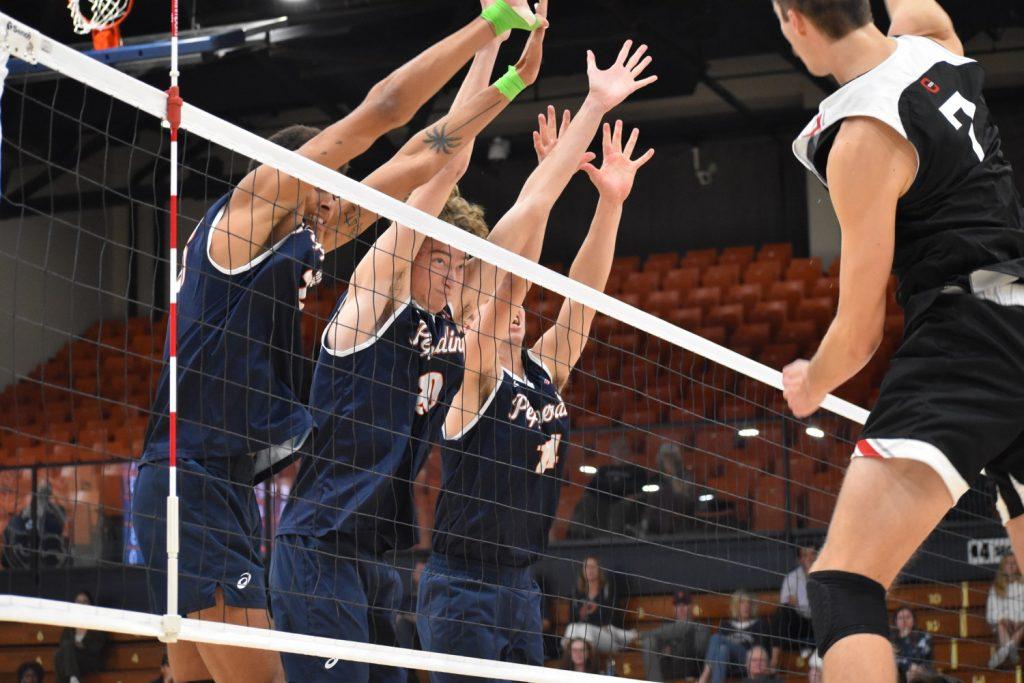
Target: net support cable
<point>29,45</point>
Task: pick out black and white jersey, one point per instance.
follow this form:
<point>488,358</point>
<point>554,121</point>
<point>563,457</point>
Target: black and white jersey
<point>961,222</point>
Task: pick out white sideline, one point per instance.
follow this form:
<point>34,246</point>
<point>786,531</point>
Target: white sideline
<point>69,614</point>
<point>121,86</point>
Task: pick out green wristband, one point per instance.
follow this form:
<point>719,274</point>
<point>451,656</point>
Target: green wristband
<point>510,84</point>
<point>503,18</point>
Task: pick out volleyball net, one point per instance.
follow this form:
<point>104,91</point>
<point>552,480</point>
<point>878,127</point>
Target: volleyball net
<point>616,481</point>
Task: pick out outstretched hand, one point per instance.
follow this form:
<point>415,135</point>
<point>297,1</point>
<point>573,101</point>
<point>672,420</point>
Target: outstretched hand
<point>549,131</point>
<point>609,87</point>
<point>528,66</point>
<point>614,180</point>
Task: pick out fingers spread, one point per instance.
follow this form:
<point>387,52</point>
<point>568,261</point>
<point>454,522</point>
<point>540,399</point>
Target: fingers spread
<point>624,52</point>
<point>617,136</point>
<point>639,68</point>
<point>635,57</point>
<point>631,143</point>
<point>648,155</point>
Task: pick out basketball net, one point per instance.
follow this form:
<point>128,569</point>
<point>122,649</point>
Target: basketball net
<point>104,22</point>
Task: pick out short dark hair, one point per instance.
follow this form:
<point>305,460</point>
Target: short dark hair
<point>34,666</point>
<point>836,18</point>
<point>291,138</point>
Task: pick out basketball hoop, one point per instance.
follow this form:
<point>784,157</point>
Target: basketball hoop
<point>103,24</point>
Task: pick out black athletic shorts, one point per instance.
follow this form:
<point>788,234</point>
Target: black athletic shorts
<point>954,395</point>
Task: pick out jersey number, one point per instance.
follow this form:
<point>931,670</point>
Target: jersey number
<point>430,390</point>
<point>958,103</point>
<point>548,454</point>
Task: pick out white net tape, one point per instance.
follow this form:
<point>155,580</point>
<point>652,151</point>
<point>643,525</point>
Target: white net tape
<point>103,14</point>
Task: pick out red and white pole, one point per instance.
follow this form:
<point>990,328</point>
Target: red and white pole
<point>173,122</point>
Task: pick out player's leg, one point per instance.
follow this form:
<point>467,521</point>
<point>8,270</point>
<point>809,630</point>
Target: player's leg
<point>886,509</point>
<point>523,621</point>
<point>315,590</point>
<point>186,663</point>
<point>384,591</point>
<point>237,664</point>
<point>455,614</point>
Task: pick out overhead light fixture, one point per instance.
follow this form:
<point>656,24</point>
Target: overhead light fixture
<point>650,488</point>
<point>748,432</point>
<point>706,497</point>
<point>588,469</point>
<point>815,432</point>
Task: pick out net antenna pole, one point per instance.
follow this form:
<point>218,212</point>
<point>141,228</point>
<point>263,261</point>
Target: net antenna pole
<point>172,620</point>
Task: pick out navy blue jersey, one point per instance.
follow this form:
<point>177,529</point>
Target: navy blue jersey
<point>502,475</point>
<point>240,357</point>
<point>376,411</point>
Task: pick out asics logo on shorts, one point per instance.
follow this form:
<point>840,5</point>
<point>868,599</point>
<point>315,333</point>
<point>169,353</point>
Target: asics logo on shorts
<point>329,664</point>
<point>244,580</point>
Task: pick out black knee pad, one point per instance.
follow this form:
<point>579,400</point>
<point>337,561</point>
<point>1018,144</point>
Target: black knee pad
<point>845,604</point>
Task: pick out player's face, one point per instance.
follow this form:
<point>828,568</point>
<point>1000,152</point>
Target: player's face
<point>437,275</point>
<point>517,326</point>
<point>327,211</point>
<point>803,37</point>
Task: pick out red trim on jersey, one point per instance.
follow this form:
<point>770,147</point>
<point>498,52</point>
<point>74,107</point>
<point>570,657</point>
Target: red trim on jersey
<point>817,126</point>
<point>866,449</point>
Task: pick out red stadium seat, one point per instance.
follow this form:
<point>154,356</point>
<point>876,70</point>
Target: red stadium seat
<point>803,333</point>
<point>688,318</point>
<point>641,283</point>
<point>763,273</point>
<point>613,284</point>
<point>807,270</point>
<point>641,416</point>
<point>699,258</point>
<point>782,251</point>
<point>611,402</point>
<point>792,292</point>
<point>713,333</point>
<point>745,295</point>
<point>779,355</point>
<point>626,264</point>
<point>729,316</point>
<point>775,313</point>
<point>819,311</point>
<point>833,268</point>
<point>825,287</point>
<point>703,297</point>
<point>681,279</point>
<point>721,276</point>
<point>662,303</point>
<point>662,262</point>
<point>741,256</point>
<point>755,336</point>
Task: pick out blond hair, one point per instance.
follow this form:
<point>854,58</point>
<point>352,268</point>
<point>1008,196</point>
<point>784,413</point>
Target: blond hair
<point>734,605</point>
<point>1003,578</point>
<point>464,214</point>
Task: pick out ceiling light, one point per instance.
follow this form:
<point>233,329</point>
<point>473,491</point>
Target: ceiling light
<point>650,488</point>
<point>816,432</point>
<point>588,469</point>
<point>747,432</point>
<point>706,497</point>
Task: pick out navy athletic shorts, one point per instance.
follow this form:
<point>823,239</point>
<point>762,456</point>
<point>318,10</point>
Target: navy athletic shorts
<point>322,587</point>
<point>220,533</point>
<point>493,613</point>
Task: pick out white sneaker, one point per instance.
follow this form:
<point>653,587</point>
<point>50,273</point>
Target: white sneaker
<point>999,656</point>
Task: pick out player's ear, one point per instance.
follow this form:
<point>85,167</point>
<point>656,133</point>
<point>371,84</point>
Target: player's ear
<point>799,21</point>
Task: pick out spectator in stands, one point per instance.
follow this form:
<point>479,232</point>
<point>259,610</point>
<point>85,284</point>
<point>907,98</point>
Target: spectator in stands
<point>80,652</point>
<point>791,624</point>
<point>1005,611</point>
<point>913,648</point>
<point>675,650</point>
<point>729,647</point>
<point>24,536</point>
<point>670,509</point>
<point>594,607</point>
<point>30,672</point>
<point>165,672</point>
<point>759,666</point>
<point>581,657</point>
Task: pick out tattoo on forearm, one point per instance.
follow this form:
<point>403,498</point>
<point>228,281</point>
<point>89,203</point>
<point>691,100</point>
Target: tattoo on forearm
<point>440,140</point>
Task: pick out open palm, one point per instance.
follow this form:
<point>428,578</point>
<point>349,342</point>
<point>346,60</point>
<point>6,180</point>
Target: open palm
<point>614,180</point>
<point>609,87</point>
